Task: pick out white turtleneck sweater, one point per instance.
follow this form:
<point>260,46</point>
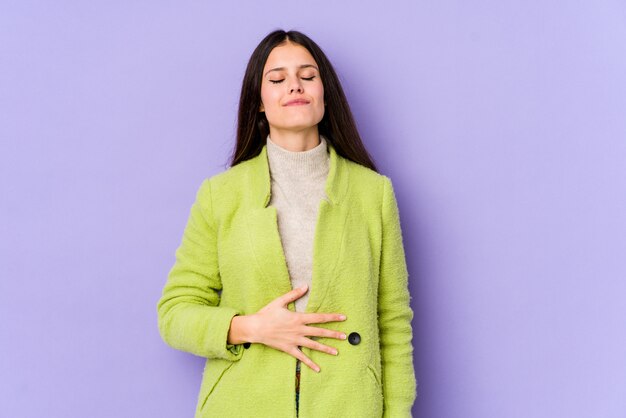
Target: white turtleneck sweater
<point>298,181</point>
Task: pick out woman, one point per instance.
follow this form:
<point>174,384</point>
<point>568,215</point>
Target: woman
<point>293,257</point>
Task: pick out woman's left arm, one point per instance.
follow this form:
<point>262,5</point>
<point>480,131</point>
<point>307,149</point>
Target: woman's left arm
<point>395,314</point>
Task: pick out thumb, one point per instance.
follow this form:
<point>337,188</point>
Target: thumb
<point>294,294</point>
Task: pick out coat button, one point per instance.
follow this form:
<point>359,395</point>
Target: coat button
<point>354,338</point>
<point>246,345</point>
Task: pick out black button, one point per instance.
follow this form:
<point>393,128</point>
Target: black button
<point>246,345</point>
<point>354,338</point>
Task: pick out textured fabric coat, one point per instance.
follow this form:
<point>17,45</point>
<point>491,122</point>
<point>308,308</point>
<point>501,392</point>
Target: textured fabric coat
<point>231,262</point>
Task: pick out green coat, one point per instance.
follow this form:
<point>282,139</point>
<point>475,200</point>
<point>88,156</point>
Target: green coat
<point>231,262</point>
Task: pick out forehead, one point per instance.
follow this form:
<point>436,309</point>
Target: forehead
<point>288,55</point>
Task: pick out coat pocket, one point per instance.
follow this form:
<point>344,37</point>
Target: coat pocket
<point>213,374</point>
<point>376,407</point>
<point>374,376</point>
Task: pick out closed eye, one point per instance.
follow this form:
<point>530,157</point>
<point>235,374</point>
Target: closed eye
<point>280,81</point>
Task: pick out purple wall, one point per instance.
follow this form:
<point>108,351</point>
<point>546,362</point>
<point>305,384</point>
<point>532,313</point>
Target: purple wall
<point>502,125</point>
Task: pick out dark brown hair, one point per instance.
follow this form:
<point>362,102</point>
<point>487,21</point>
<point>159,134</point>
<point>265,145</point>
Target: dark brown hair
<point>337,125</point>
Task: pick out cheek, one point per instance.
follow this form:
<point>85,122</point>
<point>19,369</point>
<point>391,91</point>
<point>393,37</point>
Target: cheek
<point>320,98</point>
<point>270,99</point>
<point>320,92</point>
<point>264,95</point>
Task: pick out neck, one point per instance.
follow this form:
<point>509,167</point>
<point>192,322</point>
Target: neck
<point>296,141</point>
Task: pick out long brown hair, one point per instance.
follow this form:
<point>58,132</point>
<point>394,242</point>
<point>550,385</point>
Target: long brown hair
<point>337,125</point>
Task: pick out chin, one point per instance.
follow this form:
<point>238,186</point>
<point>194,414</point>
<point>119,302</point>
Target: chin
<point>298,126</point>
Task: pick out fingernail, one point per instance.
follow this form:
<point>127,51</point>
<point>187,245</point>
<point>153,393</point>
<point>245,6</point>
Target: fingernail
<point>342,317</point>
<point>343,336</point>
<point>317,369</point>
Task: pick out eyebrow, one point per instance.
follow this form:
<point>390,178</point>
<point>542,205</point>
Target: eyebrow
<point>283,68</point>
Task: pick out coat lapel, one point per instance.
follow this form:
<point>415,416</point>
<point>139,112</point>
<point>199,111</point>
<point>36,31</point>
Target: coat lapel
<point>264,238</point>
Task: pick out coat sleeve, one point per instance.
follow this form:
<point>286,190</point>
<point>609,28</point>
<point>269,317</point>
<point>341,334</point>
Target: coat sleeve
<point>395,314</point>
<point>189,316</point>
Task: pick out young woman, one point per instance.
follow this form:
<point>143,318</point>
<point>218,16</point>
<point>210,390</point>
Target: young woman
<point>293,257</point>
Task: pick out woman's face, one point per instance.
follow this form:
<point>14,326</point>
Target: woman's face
<point>292,93</point>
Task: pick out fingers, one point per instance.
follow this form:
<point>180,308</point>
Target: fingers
<point>314,345</point>
<point>323,332</point>
<point>304,359</point>
<point>316,318</point>
<point>292,295</point>
<point>297,353</point>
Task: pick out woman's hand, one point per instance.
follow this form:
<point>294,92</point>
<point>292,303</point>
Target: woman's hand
<point>278,327</point>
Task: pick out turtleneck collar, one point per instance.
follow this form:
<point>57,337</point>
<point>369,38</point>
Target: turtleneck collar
<point>283,162</point>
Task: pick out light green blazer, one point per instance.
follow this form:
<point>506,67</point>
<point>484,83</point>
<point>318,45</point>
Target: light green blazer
<point>231,262</point>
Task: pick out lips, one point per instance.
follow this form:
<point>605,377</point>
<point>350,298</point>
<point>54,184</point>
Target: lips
<point>296,102</point>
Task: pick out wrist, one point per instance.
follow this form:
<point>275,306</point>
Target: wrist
<point>240,330</point>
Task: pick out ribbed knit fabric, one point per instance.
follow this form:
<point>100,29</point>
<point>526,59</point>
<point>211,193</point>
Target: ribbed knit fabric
<point>298,179</point>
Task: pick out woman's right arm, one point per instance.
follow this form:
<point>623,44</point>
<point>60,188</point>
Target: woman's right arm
<point>189,317</point>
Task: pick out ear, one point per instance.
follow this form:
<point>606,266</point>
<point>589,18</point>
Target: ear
<point>261,108</point>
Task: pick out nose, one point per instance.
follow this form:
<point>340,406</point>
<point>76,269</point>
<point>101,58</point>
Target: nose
<point>296,86</point>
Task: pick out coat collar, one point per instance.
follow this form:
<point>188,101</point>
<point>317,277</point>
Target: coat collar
<point>259,178</point>
<point>265,241</point>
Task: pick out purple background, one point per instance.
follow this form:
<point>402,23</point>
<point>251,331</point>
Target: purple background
<point>502,125</point>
